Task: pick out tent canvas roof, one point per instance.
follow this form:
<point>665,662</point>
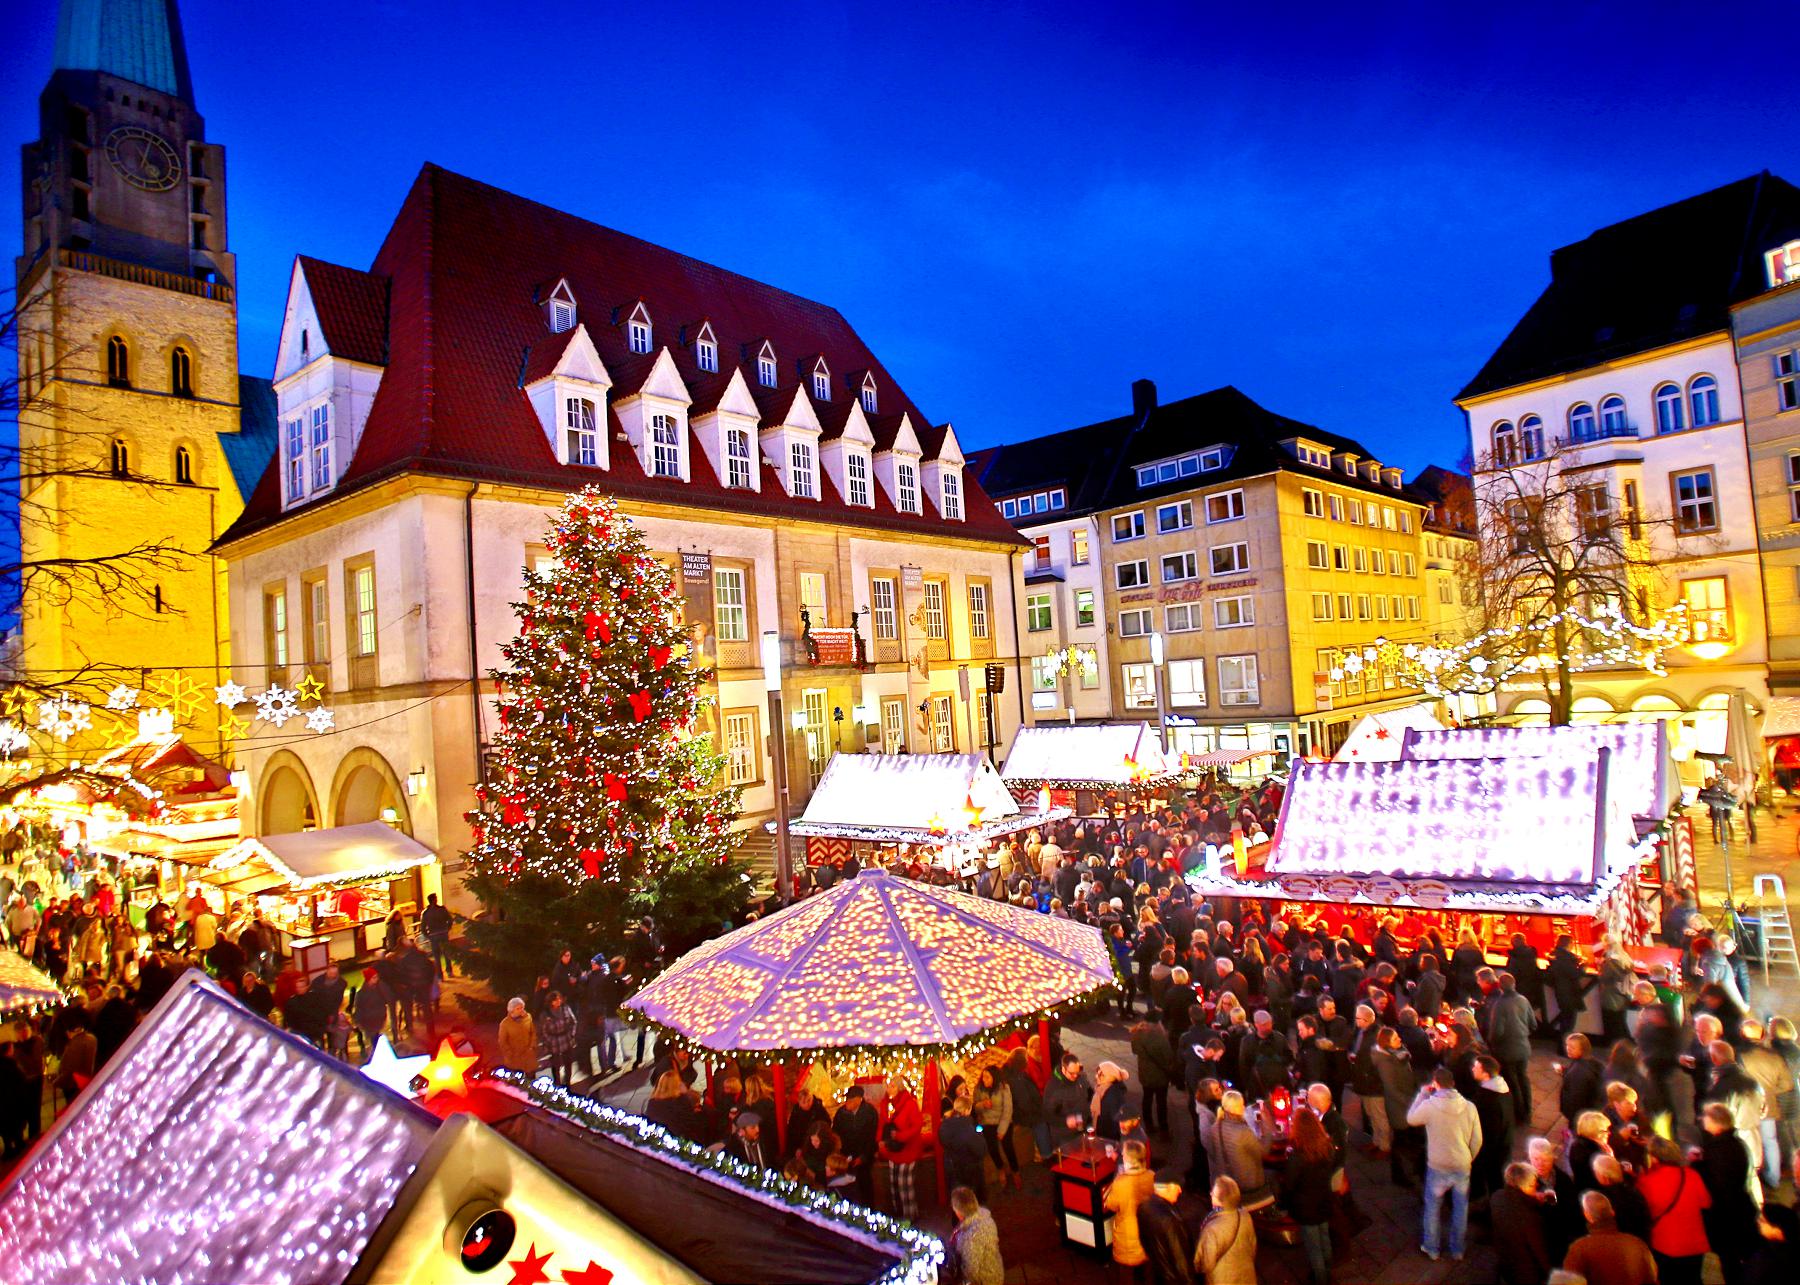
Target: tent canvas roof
<point>22,985</point>
<point>875,961</point>
<point>342,854</point>
<point>1642,775</point>
<point>912,798</point>
<point>1101,754</point>
<point>1378,737</point>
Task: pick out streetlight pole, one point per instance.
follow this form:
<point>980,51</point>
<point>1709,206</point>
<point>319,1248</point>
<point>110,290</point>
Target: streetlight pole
<point>1162,693</point>
<point>784,859</point>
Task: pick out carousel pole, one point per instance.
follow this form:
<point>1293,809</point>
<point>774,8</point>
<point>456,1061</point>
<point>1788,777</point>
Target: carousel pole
<point>935,1096</point>
<point>1044,1046</point>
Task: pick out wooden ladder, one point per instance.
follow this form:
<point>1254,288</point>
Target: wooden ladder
<point>1776,929</point>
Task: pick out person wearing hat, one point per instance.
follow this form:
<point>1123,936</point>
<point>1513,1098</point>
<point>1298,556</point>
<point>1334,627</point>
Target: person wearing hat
<point>518,1038</point>
<point>746,1140</point>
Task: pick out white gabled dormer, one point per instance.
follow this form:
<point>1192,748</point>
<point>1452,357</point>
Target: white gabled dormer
<point>706,348</point>
<point>640,334</point>
<point>819,380</point>
<point>791,443</point>
<point>897,468</point>
<point>567,387</point>
<point>768,372</point>
<point>943,479</point>
<point>655,419</point>
<point>322,395</point>
<point>728,436</point>
<point>848,460</point>
<point>559,307</point>
<point>869,394</point>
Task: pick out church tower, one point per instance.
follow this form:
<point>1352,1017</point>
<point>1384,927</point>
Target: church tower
<point>139,439</point>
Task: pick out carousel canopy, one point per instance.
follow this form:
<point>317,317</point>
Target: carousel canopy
<point>1378,737</point>
<point>1643,774</point>
<point>877,961</point>
<point>23,986</point>
<point>914,798</point>
<point>1098,755</point>
<point>341,855</point>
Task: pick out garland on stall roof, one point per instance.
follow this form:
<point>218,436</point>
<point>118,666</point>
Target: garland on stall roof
<point>921,1253</point>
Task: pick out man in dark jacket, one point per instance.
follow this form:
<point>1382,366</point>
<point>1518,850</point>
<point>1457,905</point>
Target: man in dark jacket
<point>434,922</point>
<point>964,1151</point>
<point>1494,1109</point>
<point>1156,1068</point>
<point>1167,1242</point>
<point>1263,1058</point>
<point>1067,1100</point>
<point>1428,991</point>
<point>857,1126</point>
<point>1725,1168</point>
<point>1509,1036</point>
<point>1521,1231</point>
<point>1568,983</point>
<point>1583,1079</point>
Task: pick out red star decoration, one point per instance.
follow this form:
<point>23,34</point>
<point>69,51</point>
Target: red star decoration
<point>1381,733</point>
<point>640,706</point>
<point>529,1270</point>
<point>592,1274</point>
<point>590,862</point>
<point>659,656</point>
<point>615,787</point>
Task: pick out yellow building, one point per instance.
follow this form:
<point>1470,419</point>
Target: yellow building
<point>139,439</point>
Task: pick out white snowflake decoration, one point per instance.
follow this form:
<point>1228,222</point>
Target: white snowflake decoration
<point>122,698</point>
<point>13,738</point>
<point>154,723</point>
<point>320,719</point>
<point>1353,664</point>
<point>278,705</point>
<point>230,694</point>
<point>62,717</point>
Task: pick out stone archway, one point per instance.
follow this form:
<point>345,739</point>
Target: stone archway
<point>367,788</point>
<point>287,803</point>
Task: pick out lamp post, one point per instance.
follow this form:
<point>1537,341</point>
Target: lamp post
<point>1162,694</point>
<point>771,666</point>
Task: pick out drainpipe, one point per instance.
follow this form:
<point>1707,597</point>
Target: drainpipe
<point>1019,668</point>
<point>474,653</point>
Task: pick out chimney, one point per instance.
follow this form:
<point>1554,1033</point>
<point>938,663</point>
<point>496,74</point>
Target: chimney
<point>1143,396</point>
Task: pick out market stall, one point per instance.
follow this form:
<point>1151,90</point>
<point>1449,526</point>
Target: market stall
<point>1643,768</point>
<point>1088,768</point>
<point>332,887</point>
<point>25,989</point>
<point>932,810</point>
<point>275,1163</point>
<point>1378,737</point>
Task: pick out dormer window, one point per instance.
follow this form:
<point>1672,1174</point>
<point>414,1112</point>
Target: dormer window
<point>706,350</point>
<point>821,381</point>
<point>1784,264</point>
<point>906,487</point>
<point>868,394</point>
<point>952,496</point>
<point>737,458</point>
<point>1350,466</point>
<point>765,366</point>
<point>321,446</point>
<point>293,453</point>
<point>856,479</point>
<point>801,474</point>
<point>581,433</point>
<point>665,446</point>
<point>1312,455</point>
<point>637,330</point>
<point>559,309</point>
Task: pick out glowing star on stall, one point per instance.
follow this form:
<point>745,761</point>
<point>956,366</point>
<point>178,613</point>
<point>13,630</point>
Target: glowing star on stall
<point>529,1270</point>
<point>447,1071</point>
<point>309,689</point>
<point>122,698</point>
<point>320,719</point>
<point>230,694</point>
<point>277,705</point>
<point>397,1073</point>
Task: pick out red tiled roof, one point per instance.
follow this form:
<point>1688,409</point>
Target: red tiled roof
<point>352,309</point>
<point>542,357</point>
<point>460,265</point>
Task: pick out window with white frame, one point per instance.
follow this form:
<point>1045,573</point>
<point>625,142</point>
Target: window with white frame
<point>1213,457</point>
<point>1343,606</point>
<point>814,710</point>
<point>1234,612</point>
<point>1313,502</point>
<point>562,314</point>
<point>1180,566</point>
<point>1237,681</point>
<point>1040,546</point>
<point>893,726</point>
<point>1793,485</point>
<point>1187,683</point>
<point>1361,556</point>
<point>1378,561</point>
<point>1405,521</point>
<point>1708,610</point>
<point>1783,264</point>
<point>1229,559</point>
<point>1412,606</point>
<point>321,446</point>
<point>1181,617</point>
<point>1136,623</point>
<point>1381,606</point>
<point>1412,564</point>
<point>1174,517</point>
<point>978,611</point>
<point>1389,518</point>
<point>1132,575</point>
<point>943,724</point>
<point>856,479</point>
<point>882,599</point>
<point>1703,400</point>
<point>362,609</point>
<point>1084,607</point>
<point>1340,557</point>
<point>869,398</point>
<point>1037,612</point>
<point>1356,512</point>
<point>1531,437</point>
<point>665,446</point>
<point>812,599</point>
<point>731,612</point>
<point>1321,606</point>
<point>800,464</point>
<point>738,463</point>
<point>706,352</point>
<point>740,747</point>
<point>1669,415</point>
<point>637,330</point>
<point>1127,526</point>
<point>1058,498</point>
<point>1613,420</point>
<point>1446,593</point>
<point>906,487</point>
<point>1043,673</point>
<point>1226,506</point>
<point>1696,504</point>
<point>1364,609</point>
<point>1335,505</point>
<point>294,432</point>
<point>1318,556</point>
<point>1140,685</point>
<point>1787,380</point>
<point>952,494</point>
<point>1312,455</point>
<point>1007,510</point>
<point>821,382</point>
<point>581,436</point>
<point>937,625</point>
<point>1078,547</point>
<point>765,367</point>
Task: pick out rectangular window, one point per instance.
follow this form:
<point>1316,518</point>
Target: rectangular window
<point>936,624</point>
<point>1135,624</point>
<point>1229,559</point>
<point>1179,566</point>
<point>1318,557</point>
<point>1140,686</point>
<point>1343,606</point>
<point>943,725</point>
<point>906,487</point>
<point>1362,557</point>
<point>1237,681</point>
<point>1388,518</point>
<point>1181,617</point>
<point>984,720</point>
<point>800,461</point>
<point>640,336</point>
<point>362,605</point>
<point>1321,606</point>
<point>1793,485</point>
<point>1412,606</point>
<point>1336,504</point>
<point>814,709</point>
<point>1634,520</point>
<point>1226,506</point>
<point>1127,526</point>
<point>1078,547</point>
<point>321,446</point>
<point>1696,506</point>
<point>1708,610</point>
<point>1041,547</point>
<point>1231,613</point>
<point>1058,498</point>
<point>1446,594</point>
<point>1314,502</point>
<point>978,611</point>
<point>1381,606</point>
<point>316,607</point>
<point>882,595</point>
<point>1340,557</point>
<point>1593,510</point>
<point>893,726</point>
<point>813,601</point>
<point>707,354</point>
<point>1175,517</point>
<point>765,371</point>
<point>1406,521</point>
<point>1356,512</point>
<point>665,446</point>
<point>952,495</point>
<point>742,757</point>
<point>583,440</point>
<point>1378,561</point>
<point>1037,612</point>
<point>1787,380</point>
<point>731,611</point>
<point>1412,564</point>
<point>1363,608</point>
<point>275,633</point>
<point>738,466</point>
<point>1131,575</point>
<point>1187,683</point>
<point>295,432</point>
<point>1007,510</point>
<point>1084,607</point>
<point>1043,674</point>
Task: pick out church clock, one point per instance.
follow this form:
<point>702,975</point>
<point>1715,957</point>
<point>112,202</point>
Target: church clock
<point>145,159</point>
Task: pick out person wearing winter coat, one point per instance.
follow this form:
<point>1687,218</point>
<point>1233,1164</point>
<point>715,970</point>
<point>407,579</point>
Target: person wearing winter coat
<point>1399,1085</point>
<point>1131,1186</point>
<point>518,1038</point>
<point>1306,1191</point>
<point>994,1113</point>
<point>1676,1198</point>
<point>1568,983</point>
<point>964,1151</point>
<point>1495,1112</point>
<point>1240,1154</point>
<point>1741,1094</point>
<point>1156,1070</point>
<point>1168,1244</point>
<point>1583,1079</point>
<point>1225,1253</point>
<point>1521,1228</point>
<point>1027,1104</point>
<point>1606,1255</point>
<point>975,1244</point>
<point>1772,1074</point>
<point>1510,1020</point>
<point>1452,1141</point>
<point>902,1144</point>
<point>1725,1167</point>
<point>557,1029</point>
<point>373,1003</point>
<point>1067,1100</point>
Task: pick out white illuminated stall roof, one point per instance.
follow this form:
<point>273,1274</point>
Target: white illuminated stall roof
<point>341,854</point>
<point>1643,772</point>
<point>1097,755</point>
<point>1379,737</point>
<point>914,798</point>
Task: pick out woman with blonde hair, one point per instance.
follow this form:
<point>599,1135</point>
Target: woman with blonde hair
<point>1593,1132</point>
<point>1133,1185</point>
<point>674,1106</point>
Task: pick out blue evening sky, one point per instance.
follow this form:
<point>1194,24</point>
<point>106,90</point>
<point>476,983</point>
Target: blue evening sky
<point>1021,207</point>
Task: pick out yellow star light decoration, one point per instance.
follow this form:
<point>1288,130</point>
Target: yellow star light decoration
<point>233,728</point>
<point>448,1071</point>
<point>309,688</point>
<point>182,696</point>
<point>13,703</point>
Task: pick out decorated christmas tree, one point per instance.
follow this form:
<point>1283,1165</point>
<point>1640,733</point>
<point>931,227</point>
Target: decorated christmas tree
<point>604,798</point>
